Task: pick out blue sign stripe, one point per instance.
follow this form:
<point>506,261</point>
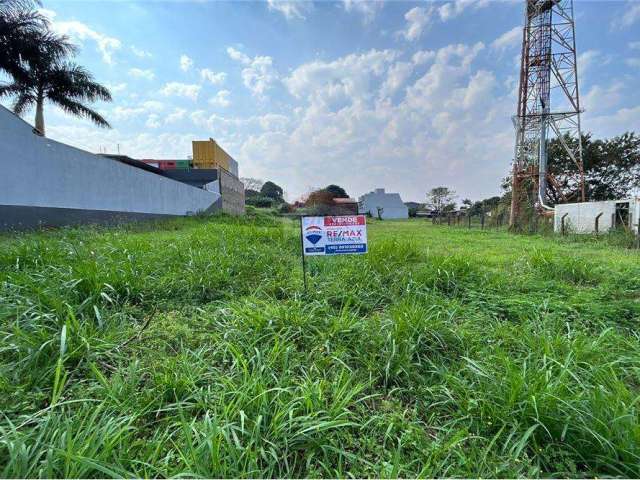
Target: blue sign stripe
<point>348,248</point>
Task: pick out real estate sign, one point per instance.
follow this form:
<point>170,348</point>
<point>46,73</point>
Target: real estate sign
<point>337,235</point>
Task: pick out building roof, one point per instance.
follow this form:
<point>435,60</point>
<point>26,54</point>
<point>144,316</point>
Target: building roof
<point>344,200</point>
<point>133,162</point>
<point>390,200</point>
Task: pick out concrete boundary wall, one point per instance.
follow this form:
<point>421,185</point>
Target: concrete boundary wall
<point>581,217</point>
<point>232,190</point>
<point>53,178</point>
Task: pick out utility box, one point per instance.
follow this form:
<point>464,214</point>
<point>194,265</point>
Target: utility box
<point>597,217</point>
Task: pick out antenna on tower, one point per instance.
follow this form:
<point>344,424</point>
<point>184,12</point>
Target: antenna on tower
<point>548,105</point>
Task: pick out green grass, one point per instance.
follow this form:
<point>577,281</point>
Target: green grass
<point>188,348</point>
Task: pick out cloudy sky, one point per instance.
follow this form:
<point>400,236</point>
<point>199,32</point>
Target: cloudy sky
<point>402,95</point>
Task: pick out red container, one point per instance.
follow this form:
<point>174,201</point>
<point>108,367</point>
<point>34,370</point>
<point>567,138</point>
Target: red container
<point>167,164</point>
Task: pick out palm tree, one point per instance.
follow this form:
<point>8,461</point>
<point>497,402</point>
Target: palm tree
<point>22,29</point>
<point>36,60</point>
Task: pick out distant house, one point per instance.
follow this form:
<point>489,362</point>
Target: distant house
<point>389,205</point>
<point>345,206</point>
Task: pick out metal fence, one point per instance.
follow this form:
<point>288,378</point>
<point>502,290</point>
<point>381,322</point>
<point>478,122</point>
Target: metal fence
<point>536,225</point>
<point>473,221</point>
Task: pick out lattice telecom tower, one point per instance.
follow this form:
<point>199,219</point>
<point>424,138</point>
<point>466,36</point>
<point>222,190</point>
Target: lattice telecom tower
<point>548,101</point>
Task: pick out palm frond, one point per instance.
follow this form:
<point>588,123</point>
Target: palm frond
<point>10,89</point>
<point>16,6</point>
<point>74,81</point>
<point>78,109</point>
<point>22,103</point>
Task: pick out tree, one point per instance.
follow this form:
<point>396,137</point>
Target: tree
<point>273,191</point>
<point>336,191</point>
<point>484,206</point>
<point>252,183</point>
<point>36,60</point>
<point>319,197</point>
<point>24,35</point>
<point>65,84</point>
<point>441,200</point>
<point>259,201</point>
<point>611,166</point>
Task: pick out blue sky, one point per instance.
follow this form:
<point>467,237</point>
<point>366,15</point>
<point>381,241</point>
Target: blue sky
<point>401,95</point>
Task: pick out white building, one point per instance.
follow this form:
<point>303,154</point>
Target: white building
<point>592,217</point>
<point>389,205</point>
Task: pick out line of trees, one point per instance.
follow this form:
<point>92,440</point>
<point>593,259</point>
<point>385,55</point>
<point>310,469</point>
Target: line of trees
<point>40,64</point>
<point>611,167</point>
<point>262,194</point>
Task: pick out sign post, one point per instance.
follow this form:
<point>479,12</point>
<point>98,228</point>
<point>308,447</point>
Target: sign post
<point>333,235</point>
<point>304,260</point>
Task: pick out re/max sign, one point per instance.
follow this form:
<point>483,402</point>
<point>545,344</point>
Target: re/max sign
<point>334,235</point>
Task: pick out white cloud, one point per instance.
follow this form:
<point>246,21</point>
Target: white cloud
<point>153,105</point>
<point>273,122</point>
<point>175,116</point>
<point>633,62</point>
<point>149,144</point>
<point>185,63</point>
<point>238,56</point>
<point>453,9</point>
<point>423,56</point>
<point>634,45</point>
<point>418,19</point>
<point>341,81</point>
<point>178,89</point>
<point>291,9</point>
<point>80,32</point>
<point>451,119</point>
<point>444,118</point>
<point>126,113</point>
<point>258,74</point>
<point>367,8</point>
<point>587,59</point>
<point>508,39</point>
<point>397,74</point>
<point>600,99</point>
<point>116,87</point>
<point>627,18</point>
<point>616,123</point>
<point>221,99</point>
<point>153,121</point>
<point>138,52</point>
<point>140,73</point>
<point>213,77</point>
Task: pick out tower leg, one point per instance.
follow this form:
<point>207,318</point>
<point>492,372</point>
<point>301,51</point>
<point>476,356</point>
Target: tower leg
<point>515,196</point>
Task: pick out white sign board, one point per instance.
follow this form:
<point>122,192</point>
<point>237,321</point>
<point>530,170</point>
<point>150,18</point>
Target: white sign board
<point>334,235</point>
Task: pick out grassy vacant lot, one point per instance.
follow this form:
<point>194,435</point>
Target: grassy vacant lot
<point>187,348</point>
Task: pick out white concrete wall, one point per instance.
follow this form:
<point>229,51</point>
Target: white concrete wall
<point>581,217</point>
<point>40,172</point>
<point>391,203</point>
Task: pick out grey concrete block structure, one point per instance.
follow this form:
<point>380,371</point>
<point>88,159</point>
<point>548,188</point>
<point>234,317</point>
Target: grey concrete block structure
<point>45,182</point>
<point>232,191</point>
<point>391,204</point>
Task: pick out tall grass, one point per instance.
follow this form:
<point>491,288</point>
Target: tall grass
<point>187,348</point>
